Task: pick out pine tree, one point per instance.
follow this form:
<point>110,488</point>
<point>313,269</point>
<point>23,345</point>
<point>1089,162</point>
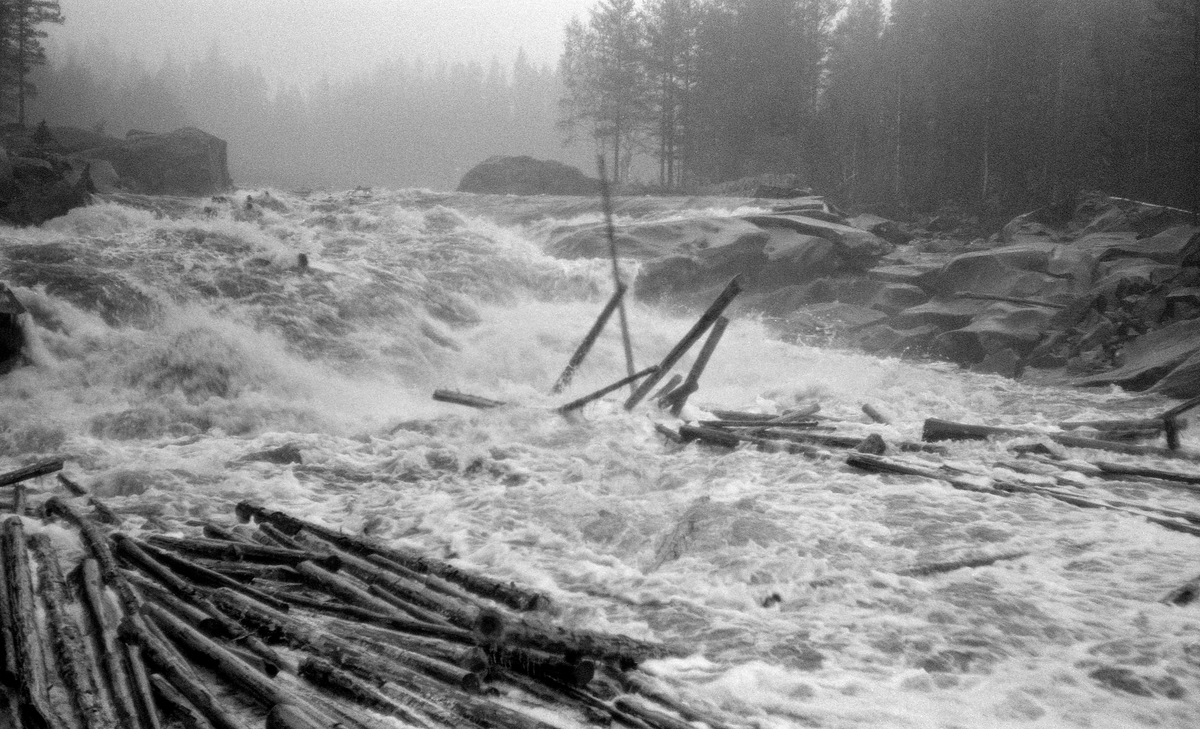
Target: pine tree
<point>27,17</point>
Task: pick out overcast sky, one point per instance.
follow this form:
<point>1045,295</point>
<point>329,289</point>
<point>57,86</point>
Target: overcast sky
<point>299,40</point>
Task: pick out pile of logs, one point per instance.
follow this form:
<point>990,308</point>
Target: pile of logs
<point>295,622</point>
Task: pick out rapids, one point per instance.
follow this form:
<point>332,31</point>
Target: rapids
<point>171,338</point>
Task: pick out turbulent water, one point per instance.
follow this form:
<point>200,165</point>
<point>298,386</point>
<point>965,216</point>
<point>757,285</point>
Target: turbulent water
<point>171,339</point>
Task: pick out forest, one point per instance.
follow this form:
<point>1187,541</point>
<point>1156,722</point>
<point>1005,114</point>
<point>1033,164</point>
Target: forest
<point>990,105</point>
<point>900,107</point>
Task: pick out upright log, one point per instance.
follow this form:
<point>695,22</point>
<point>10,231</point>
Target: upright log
<point>698,329</point>
<point>611,234</point>
<point>589,340</point>
<point>576,404</point>
<point>678,398</point>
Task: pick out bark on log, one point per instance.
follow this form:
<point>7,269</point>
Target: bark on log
<point>579,403</point>
<point>1155,425</point>
<point>415,612</point>
<point>678,397</point>
<point>652,717</point>
<point>278,538</point>
<point>143,693</point>
<point>172,666</point>
<point>234,551</point>
<point>78,677</point>
<point>290,716</point>
<point>702,325</point>
<point>8,650</point>
<point>20,500</point>
<point>324,580</point>
<point>844,441</point>
<point>28,472</point>
<point>936,429</point>
<point>245,573</point>
<point>873,413</point>
<point>802,413</point>
<point>669,434</point>
<point>635,682</point>
<point>31,674</point>
<point>615,648</point>
<point>386,620</point>
<point>178,706</point>
<point>506,593</point>
<point>472,658</point>
<point>766,423</point>
<point>93,538</point>
<point>211,578</point>
<point>114,670</point>
<point>156,592</point>
<point>672,383</point>
<point>216,531</point>
<point>462,398</point>
<point>323,673</point>
<point>1155,473</point>
<point>544,666</point>
<point>589,340</point>
<point>938,568</point>
<point>72,486</point>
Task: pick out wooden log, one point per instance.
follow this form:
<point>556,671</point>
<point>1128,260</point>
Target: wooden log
<point>205,576</point>
<point>290,716</point>
<point>873,413</point>
<point>402,665</point>
<point>937,568</point>
<point>672,383</point>
<point>1171,431</point>
<point>619,649</point>
<point>698,329</point>
<point>544,666</point>
<point>936,429</point>
<point>711,436</point>
<point>415,612</point>
<point>653,717</point>
<point>31,669</point>
<point>1185,594</point>
<point>213,530</point>
<point>323,673</point>
<point>691,383</point>
<point>580,402</point>
<point>470,657</point>
<point>168,662</point>
<point>93,538</point>
<point>740,415</point>
<point>844,441</point>
<point>881,464</point>
<point>770,423</point>
<point>8,649</point>
<point>71,652</point>
<point>28,472</point>
<point>156,592</point>
<point>611,234</point>
<point>387,620</point>
<point>505,593</point>
<point>1180,409</point>
<point>462,398</point>
<point>278,538</point>
<point>120,684</point>
<point>1155,425</point>
<point>799,414</point>
<point>143,693</point>
<point>178,706</point>
<point>669,434</point>
<point>1121,469</point>
<point>20,500</point>
<point>589,340</point>
<point>246,573</point>
<point>234,551</point>
<point>324,580</point>
<point>72,486</point>
<point>636,682</point>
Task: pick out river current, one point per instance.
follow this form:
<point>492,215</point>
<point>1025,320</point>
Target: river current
<point>172,338</point>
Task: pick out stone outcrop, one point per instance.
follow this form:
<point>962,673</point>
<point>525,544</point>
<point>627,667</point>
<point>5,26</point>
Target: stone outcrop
<point>183,162</point>
<point>526,176</point>
<point>12,337</point>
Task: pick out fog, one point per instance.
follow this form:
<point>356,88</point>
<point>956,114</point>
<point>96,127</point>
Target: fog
<point>298,41</point>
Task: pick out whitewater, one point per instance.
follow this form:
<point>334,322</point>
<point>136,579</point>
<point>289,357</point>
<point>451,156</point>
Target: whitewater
<point>172,338</point>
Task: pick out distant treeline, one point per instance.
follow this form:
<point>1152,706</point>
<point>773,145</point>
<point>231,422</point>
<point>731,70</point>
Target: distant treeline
<point>401,124</point>
<point>996,105</point>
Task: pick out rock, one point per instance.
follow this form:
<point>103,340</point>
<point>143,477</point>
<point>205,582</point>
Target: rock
<point>884,338</point>
<point>944,314</point>
<point>921,275</point>
<point>12,336</point>
<point>40,191</point>
<point>183,162</point>
<point>526,176</point>
<point>283,455</point>
<point>1150,357</point>
<point>826,318</point>
<point>1001,327</point>
<point>889,230</point>
<point>1167,247</point>
<point>857,246</point>
<point>893,298</point>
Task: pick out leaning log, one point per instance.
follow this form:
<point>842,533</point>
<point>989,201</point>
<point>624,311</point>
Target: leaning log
<point>580,402</point>
<point>678,397</point>
<point>28,472</point>
<point>698,329</point>
<point>70,650</point>
<point>589,340</point>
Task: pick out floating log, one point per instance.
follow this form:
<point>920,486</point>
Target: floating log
<point>326,581</point>
<point>8,649</point>
<point>873,413</point>
<point>881,464</point>
<point>416,612</point>
<point>589,340</point>
<point>31,671</point>
<point>235,551</point>
<point>20,499</point>
<point>216,531</point>
<point>799,414</point>
<point>143,693</point>
<point>156,592</point>
<point>28,472</point>
<point>937,568</point>
<point>72,486</point>
<point>671,435</point>
<point>387,620</point>
<point>93,538</point>
<point>1185,594</point>
<point>168,662</point>
<point>653,717</point>
<point>505,593</point>
<point>278,538</point>
<point>936,429</point>
<point>1121,469</point>
<point>1150,424</point>
<point>711,436</point>
<point>1180,409</point>
<point>325,674</point>
<point>470,657</point>
<point>576,404</point>
<point>178,706</point>
<point>638,683</point>
<point>290,716</point>
<point>619,649</point>
<point>702,325</point>
<point>205,576</point>
<point>678,397</point>
<point>766,423</point>
<point>462,398</point>
<point>245,573</point>
<point>844,441</point>
<point>544,666</point>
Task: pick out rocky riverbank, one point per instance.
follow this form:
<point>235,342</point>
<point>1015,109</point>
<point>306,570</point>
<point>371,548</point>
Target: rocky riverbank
<point>1103,291</point>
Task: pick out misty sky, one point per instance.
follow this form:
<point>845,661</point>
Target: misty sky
<point>299,40</point>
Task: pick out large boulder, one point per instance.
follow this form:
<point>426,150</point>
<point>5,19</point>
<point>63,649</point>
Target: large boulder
<point>526,176</point>
<point>12,336</point>
<point>1152,356</point>
<point>183,162</point>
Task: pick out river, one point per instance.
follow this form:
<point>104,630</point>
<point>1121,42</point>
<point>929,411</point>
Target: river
<point>171,338</point>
